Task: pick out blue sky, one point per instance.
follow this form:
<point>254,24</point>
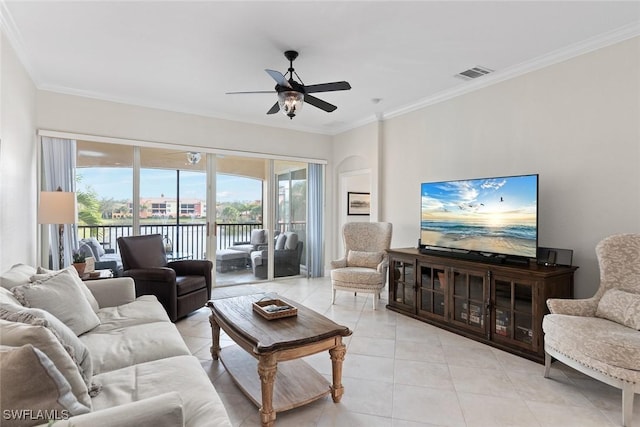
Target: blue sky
<point>117,184</point>
<point>514,195</point>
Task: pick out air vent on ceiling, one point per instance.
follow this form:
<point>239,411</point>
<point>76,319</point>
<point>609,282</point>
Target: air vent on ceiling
<point>473,73</point>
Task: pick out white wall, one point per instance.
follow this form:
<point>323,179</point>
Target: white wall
<point>18,183</point>
<point>576,123</point>
<point>76,114</point>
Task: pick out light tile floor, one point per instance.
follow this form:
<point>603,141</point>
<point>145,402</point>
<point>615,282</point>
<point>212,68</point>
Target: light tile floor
<point>400,372</point>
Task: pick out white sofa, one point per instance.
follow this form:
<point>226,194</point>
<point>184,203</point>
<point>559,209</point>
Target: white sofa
<point>132,369</point>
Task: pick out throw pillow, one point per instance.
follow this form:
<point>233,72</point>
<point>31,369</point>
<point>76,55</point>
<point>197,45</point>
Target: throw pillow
<point>257,237</point>
<point>36,385</point>
<point>17,334</point>
<point>17,275</point>
<point>61,296</point>
<point>95,246</point>
<point>280,242</point>
<point>621,307</point>
<point>77,350</point>
<point>7,297</point>
<point>85,249</point>
<point>292,241</point>
<point>364,259</point>
<point>44,274</point>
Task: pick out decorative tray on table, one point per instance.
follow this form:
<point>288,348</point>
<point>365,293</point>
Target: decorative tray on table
<point>274,309</point>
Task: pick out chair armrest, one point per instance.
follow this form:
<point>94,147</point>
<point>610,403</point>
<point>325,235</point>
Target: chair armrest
<point>339,263</point>
<point>164,410</point>
<point>194,268</point>
<point>157,274</point>
<point>574,307</point>
<point>112,292</point>
<point>384,264</point>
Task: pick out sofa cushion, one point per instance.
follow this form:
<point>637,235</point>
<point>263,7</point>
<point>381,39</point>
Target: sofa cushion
<point>113,347</point>
<point>164,410</point>
<point>17,334</point>
<point>183,374</point>
<point>364,259</point>
<point>291,243</point>
<point>60,295</point>
<point>620,307</point>
<point>19,274</point>
<point>145,309</point>
<point>594,338</point>
<point>36,385</point>
<point>358,275</point>
<point>45,274</point>
<point>34,316</point>
<point>187,284</point>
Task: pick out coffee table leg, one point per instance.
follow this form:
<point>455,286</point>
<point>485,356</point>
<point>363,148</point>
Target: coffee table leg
<point>337,357</point>
<point>267,367</point>
<point>215,338</point>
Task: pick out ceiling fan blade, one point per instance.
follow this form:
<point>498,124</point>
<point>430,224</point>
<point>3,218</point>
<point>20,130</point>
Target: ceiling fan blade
<point>316,102</point>
<point>327,87</point>
<point>278,77</point>
<point>274,109</point>
<point>244,93</point>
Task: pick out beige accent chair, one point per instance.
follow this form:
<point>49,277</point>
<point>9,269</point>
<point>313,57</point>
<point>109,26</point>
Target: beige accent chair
<point>600,336</point>
<point>364,265</point>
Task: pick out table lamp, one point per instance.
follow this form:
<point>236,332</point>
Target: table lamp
<point>57,207</point>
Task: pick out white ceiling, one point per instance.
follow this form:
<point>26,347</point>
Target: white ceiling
<point>183,56</point>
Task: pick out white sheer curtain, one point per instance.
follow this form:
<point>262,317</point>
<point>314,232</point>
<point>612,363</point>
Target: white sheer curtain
<point>315,231</point>
<point>59,169</point>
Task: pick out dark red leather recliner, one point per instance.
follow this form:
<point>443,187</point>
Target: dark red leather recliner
<point>180,286</point>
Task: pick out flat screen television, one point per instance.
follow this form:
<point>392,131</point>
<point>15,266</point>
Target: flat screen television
<point>488,217</point>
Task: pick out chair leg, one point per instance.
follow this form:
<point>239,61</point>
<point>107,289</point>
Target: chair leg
<point>375,301</point>
<point>627,404</point>
<point>547,364</point>
<point>333,299</point>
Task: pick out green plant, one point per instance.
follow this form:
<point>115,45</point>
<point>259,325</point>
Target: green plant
<point>78,257</point>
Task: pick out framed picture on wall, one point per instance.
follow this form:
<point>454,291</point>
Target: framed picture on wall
<point>358,203</point>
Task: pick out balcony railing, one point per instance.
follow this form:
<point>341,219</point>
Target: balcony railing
<point>186,239</point>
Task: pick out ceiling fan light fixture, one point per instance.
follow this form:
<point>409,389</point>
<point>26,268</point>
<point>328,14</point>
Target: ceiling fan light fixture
<point>193,157</point>
<point>290,102</point>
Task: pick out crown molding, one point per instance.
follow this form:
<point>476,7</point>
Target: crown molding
<point>9,28</point>
<point>172,108</point>
<point>583,47</point>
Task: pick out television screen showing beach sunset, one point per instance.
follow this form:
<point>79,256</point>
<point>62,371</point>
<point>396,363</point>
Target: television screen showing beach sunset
<point>489,215</point>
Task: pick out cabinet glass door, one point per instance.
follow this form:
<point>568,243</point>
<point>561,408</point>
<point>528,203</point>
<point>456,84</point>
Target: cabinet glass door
<point>432,291</point>
<point>513,312</point>
<point>469,299</point>
<point>402,284</point>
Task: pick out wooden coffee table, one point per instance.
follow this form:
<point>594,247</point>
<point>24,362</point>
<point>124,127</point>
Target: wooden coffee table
<point>288,385</point>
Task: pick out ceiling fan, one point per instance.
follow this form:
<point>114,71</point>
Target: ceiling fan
<point>291,94</point>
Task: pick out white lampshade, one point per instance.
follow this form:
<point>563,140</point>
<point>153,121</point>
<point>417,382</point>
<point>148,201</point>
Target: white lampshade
<point>57,207</point>
<point>290,102</point>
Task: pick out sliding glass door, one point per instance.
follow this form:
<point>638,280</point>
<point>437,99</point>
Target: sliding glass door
<point>234,210</point>
<point>172,202</point>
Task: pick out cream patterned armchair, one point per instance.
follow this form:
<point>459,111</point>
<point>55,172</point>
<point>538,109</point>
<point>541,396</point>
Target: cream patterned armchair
<point>600,336</point>
<point>364,265</point>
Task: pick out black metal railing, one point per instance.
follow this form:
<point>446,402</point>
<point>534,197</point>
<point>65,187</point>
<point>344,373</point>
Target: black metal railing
<point>186,239</point>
